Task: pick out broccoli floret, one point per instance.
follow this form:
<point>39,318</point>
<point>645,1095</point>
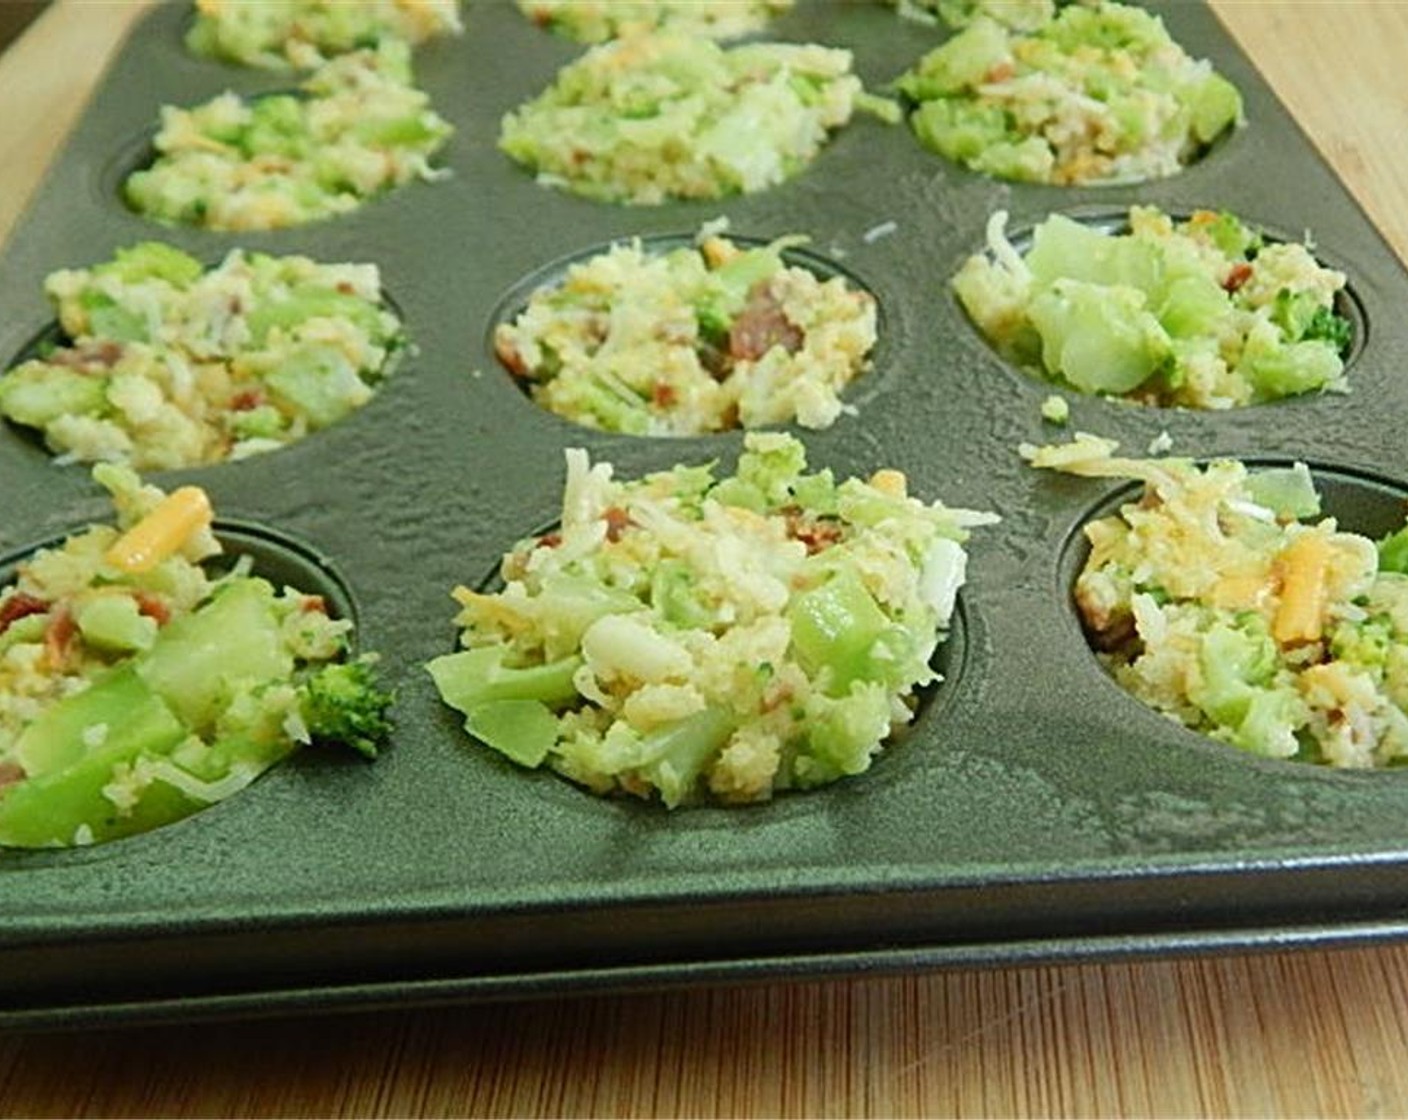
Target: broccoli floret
<point>1333,328</point>
<point>1300,315</point>
<point>343,703</point>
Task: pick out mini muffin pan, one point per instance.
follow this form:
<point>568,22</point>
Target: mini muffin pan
<point>1033,812</point>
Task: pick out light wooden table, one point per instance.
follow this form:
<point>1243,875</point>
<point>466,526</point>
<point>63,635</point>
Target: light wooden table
<point>1311,1033</point>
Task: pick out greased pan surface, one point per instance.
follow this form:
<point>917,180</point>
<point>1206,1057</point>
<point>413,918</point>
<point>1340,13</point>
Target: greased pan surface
<point>1035,811</point>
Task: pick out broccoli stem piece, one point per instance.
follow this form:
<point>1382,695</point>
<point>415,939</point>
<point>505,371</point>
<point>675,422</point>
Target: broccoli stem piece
<point>836,627</point>
<point>69,806</point>
<point>130,787</point>
<point>119,710</point>
<point>230,644</point>
<point>476,676</point>
<point>522,730</point>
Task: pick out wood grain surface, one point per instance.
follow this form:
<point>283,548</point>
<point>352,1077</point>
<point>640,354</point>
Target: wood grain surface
<point>1321,1033</point>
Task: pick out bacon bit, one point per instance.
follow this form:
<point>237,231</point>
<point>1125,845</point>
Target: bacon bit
<point>108,353</point>
<point>68,356</point>
<point>617,520</point>
<point>153,608</point>
<point>775,696</point>
<point>1110,633</point>
<point>816,535</point>
<point>1240,274</point>
<point>96,356</point>
<point>236,305</point>
<point>58,636</point>
<point>1001,71</point>
<point>508,354</point>
<point>246,400</point>
<point>664,395</point>
<point>18,606</point>
<point>11,773</point>
<point>761,325</point>
<point>345,287</point>
<point>314,604</point>
<point>550,540</point>
<point>715,362</point>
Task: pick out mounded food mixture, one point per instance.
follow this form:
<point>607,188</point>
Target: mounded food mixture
<point>691,638</point>
<point>1224,598</point>
<point>357,129</point>
<point>1020,15</point>
<point>1100,94</point>
<point>668,116</point>
<point>278,34</point>
<point>701,338</point>
<point>137,687</point>
<point>1198,313</point>
<point>595,21</point>
<point>166,364</point>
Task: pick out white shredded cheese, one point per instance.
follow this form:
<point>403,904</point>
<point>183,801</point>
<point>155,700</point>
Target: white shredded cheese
<point>877,232</point>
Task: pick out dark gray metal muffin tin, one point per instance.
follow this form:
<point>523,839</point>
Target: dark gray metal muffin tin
<point>1034,813</point>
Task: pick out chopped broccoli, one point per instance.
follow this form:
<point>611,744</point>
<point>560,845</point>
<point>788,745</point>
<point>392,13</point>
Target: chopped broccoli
<point>1288,492</point>
<point>152,260</point>
<point>191,712</point>
<point>1333,328</point>
<point>343,703</point>
<point>1234,237</point>
<point>1393,552</point>
<point>1055,409</point>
